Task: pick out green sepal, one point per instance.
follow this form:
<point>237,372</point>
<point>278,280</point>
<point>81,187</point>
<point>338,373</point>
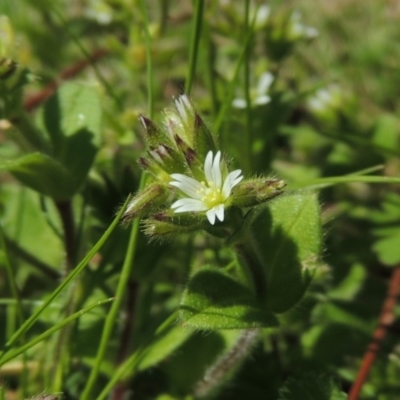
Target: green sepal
<point>214,300</point>
<point>203,139</point>
<point>146,201</point>
<point>169,159</point>
<point>154,135</point>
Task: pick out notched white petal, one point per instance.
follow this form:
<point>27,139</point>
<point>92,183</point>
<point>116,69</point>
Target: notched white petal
<point>219,212</point>
<point>231,181</point>
<point>216,170</point>
<point>211,216</point>
<point>208,166</point>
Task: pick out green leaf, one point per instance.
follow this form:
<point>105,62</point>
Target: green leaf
<point>43,174</point>
<point>387,248</point>
<point>73,107</point>
<point>164,346</point>
<point>214,300</point>
<point>311,387</point>
<point>72,119</point>
<point>289,239</point>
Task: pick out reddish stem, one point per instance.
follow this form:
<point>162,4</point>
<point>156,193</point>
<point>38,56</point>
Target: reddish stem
<point>386,319</point>
<point>36,99</point>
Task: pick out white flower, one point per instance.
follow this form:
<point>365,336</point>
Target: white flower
<point>299,30</point>
<point>259,96</point>
<point>209,195</point>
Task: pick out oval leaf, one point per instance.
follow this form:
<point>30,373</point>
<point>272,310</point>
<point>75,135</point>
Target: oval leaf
<point>289,238</point>
<point>43,174</point>
<point>214,300</point>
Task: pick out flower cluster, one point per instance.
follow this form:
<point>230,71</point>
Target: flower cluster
<point>191,187</point>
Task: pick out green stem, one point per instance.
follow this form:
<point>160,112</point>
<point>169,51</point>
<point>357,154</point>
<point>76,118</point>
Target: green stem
<point>325,182</point>
<point>33,318</point>
<point>131,363</point>
<point>249,138</point>
<point>10,274</point>
<point>215,376</point>
<point>194,44</point>
<point>113,314</point>
<point>210,71</point>
<point>49,332</point>
<point>18,305</point>
<point>67,220</point>
<point>149,60</point>
<point>226,105</point>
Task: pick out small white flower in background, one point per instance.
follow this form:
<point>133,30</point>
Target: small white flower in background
<point>327,98</point>
<point>210,195</point>
<point>261,15</point>
<point>259,96</point>
<point>299,30</point>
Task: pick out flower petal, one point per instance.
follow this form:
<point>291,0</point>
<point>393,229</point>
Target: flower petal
<point>219,211</point>
<point>231,181</point>
<point>261,100</point>
<point>211,216</point>
<point>264,83</point>
<point>239,103</point>
<point>188,185</point>
<point>185,205</point>
<point>216,170</point>
<point>208,166</point>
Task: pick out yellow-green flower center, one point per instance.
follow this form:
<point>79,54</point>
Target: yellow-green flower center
<point>211,195</point>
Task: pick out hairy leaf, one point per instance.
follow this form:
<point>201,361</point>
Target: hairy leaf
<point>289,239</point>
<point>214,300</point>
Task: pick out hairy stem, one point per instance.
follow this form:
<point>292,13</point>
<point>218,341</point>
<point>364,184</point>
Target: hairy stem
<point>226,364</point>
<point>386,319</point>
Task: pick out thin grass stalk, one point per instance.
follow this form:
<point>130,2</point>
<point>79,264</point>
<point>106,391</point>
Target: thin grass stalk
<point>18,304</point>
<point>227,103</point>
<point>194,44</point>
<point>110,321</point>
<point>210,71</point>
<point>321,183</point>
<point>249,129</point>
<point>149,60</point>
<point>33,318</point>
<point>132,245</point>
<point>53,329</point>
<point>131,363</point>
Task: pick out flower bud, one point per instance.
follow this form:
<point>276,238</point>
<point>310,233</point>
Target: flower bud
<point>159,229</point>
<point>252,192</point>
<point>189,154</point>
<point>168,158</point>
<point>186,123</point>
<point>203,139</point>
<point>146,201</point>
<point>186,219</point>
<point>153,134</point>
